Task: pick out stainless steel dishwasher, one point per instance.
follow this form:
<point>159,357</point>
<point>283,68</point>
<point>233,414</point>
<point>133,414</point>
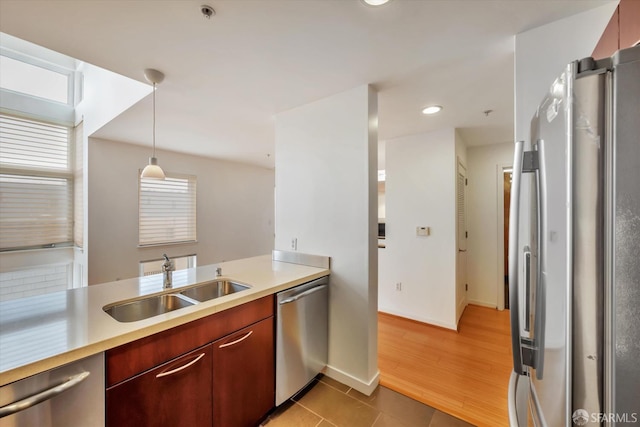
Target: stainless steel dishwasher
<point>302,327</point>
<point>69,396</point>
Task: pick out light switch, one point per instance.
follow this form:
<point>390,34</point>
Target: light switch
<point>423,231</point>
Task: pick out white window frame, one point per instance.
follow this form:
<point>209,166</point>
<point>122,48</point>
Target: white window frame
<point>36,62</point>
<point>34,107</point>
<point>160,226</point>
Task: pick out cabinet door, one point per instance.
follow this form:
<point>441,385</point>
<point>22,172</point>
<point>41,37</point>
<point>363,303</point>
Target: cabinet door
<point>177,393</point>
<point>243,376</point>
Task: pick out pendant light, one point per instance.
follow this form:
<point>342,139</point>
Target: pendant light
<point>152,170</point>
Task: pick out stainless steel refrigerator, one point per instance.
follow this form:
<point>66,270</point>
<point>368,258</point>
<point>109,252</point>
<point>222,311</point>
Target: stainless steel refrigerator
<point>574,251</point>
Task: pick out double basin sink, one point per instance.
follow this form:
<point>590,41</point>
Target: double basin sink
<point>146,307</point>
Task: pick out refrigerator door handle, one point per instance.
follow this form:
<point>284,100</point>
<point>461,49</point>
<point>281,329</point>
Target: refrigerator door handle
<point>514,298</point>
<point>537,361</point>
<point>527,288</point>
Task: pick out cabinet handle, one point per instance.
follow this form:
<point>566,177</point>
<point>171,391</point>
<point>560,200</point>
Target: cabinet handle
<point>173,371</point>
<point>303,294</point>
<point>236,341</point>
<point>30,401</point>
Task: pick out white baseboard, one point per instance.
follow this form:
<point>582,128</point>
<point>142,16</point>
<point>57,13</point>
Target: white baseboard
<point>353,382</point>
<point>462,304</point>
<point>419,319</point>
<point>482,303</point>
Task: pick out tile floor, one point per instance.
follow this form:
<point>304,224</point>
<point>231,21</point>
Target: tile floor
<point>326,402</point>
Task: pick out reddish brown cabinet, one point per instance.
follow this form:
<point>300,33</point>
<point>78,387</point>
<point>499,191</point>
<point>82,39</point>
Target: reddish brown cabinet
<point>227,381</point>
<point>623,30</point>
<point>244,376</point>
<point>177,393</point>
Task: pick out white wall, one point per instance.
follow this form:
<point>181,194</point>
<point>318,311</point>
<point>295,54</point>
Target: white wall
<point>326,197</point>
<point>485,242</point>
<point>420,191</point>
<point>105,95</point>
<point>234,209</point>
<point>543,52</point>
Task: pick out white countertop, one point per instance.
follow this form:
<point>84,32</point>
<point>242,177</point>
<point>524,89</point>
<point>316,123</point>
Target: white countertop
<point>43,332</point>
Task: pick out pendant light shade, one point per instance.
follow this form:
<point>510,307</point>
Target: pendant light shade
<point>152,170</point>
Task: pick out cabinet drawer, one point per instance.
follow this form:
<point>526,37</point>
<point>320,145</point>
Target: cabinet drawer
<point>138,356</point>
<point>177,393</point>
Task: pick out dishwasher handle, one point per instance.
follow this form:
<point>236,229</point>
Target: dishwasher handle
<point>302,294</point>
<point>34,399</point>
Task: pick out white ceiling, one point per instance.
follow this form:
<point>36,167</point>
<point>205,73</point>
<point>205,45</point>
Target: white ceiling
<point>227,77</point>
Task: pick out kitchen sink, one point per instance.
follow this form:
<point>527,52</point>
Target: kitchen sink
<point>213,289</point>
<point>147,307</point>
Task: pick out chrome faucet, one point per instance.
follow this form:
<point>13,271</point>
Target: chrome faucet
<point>167,272</point>
<point>218,271</point>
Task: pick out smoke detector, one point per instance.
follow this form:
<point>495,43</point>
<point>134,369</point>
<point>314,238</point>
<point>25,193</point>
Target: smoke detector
<point>207,11</point>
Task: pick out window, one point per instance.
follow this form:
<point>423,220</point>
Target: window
<point>31,281</point>
<point>166,210</point>
<point>154,266</point>
<point>40,172</point>
<point>36,184</point>
<point>20,76</point>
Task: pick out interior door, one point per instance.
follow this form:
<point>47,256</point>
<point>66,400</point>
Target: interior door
<point>461,238</point>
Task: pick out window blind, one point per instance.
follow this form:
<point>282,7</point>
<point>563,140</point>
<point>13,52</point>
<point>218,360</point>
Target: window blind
<point>167,210</point>
<point>28,144</point>
<point>36,184</point>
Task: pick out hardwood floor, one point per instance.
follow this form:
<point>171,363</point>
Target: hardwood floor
<point>465,373</point>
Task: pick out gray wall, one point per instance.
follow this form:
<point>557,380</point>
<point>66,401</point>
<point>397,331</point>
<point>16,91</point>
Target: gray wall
<point>235,209</point>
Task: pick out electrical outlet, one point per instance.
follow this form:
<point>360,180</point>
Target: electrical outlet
<point>294,243</point>
<point>399,286</point>
<point>423,231</point>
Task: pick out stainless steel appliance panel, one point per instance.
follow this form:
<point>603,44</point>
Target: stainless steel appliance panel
<point>550,311</point>
<point>62,397</point>
<point>588,243</point>
<point>302,326</point>
<point>579,343</point>
<point>539,253</point>
<point>626,235</point>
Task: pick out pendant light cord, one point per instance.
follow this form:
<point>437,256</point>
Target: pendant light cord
<point>154,119</point>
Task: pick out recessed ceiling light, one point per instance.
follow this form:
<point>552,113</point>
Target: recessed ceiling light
<point>375,2</point>
<point>432,109</point>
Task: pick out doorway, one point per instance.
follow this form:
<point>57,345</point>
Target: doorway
<point>506,198</point>
<point>461,237</point>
